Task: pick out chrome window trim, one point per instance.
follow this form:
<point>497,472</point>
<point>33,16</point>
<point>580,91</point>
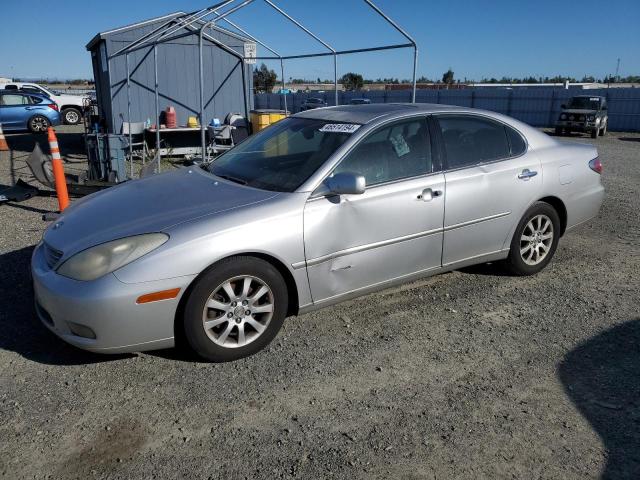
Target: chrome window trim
<point>316,196</point>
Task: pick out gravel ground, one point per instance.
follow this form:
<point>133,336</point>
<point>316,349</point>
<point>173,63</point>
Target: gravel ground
<point>465,375</point>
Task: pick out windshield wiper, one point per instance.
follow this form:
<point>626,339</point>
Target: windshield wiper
<point>230,178</point>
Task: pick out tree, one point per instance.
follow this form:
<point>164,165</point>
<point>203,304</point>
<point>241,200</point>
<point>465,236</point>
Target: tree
<point>447,77</point>
<point>264,79</point>
<point>352,81</point>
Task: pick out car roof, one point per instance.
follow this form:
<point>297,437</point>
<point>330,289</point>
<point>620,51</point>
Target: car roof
<point>368,112</point>
<point>588,96</point>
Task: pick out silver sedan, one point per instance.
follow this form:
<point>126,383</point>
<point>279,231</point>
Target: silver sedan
<point>323,206</point>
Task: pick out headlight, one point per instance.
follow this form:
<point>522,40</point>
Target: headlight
<point>563,116</point>
<point>97,261</point>
<point>591,118</point>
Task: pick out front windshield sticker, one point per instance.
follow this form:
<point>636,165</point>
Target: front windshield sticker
<point>340,128</point>
<point>594,99</point>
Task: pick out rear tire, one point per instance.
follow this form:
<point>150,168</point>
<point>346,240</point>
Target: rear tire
<point>235,309</point>
<point>535,240</point>
<point>38,124</point>
<point>71,116</point>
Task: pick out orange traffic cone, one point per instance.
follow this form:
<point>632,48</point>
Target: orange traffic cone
<point>58,170</point>
<point>3,141</point>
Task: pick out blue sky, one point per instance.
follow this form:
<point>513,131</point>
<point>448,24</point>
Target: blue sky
<point>475,38</point>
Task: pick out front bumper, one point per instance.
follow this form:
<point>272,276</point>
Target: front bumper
<point>577,126</point>
<point>106,308</point>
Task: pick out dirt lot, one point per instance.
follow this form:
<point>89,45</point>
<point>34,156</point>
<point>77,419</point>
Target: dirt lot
<point>472,374</point>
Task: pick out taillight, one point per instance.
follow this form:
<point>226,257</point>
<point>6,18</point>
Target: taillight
<point>53,106</point>
<point>596,165</point>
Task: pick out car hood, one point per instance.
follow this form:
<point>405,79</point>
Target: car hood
<point>149,205</point>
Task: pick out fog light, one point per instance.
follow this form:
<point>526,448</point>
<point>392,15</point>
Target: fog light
<point>81,330</point>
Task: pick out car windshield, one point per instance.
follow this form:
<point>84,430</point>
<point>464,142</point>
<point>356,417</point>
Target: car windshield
<point>585,103</point>
<point>283,156</point>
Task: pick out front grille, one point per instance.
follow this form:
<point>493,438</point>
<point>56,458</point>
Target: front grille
<point>576,117</point>
<point>51,255</point>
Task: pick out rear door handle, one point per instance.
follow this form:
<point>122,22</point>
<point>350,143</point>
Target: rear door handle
<point>526,174</point>
<point>428,194</point>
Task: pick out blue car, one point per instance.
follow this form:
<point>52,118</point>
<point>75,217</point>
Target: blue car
<point>27,111</point>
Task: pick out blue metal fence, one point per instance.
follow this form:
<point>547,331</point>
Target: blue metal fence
<point>539,107</point>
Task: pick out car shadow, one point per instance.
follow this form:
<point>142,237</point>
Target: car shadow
<point>22,332</point>
<point>602,378</point>
<point>493,269</point>
<point>70,143</point>
<point>629,139</point>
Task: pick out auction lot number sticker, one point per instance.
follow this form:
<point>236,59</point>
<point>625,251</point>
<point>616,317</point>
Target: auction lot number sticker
<point>340,127</point>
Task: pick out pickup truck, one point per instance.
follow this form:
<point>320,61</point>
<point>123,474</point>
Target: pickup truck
<point>71,106</point>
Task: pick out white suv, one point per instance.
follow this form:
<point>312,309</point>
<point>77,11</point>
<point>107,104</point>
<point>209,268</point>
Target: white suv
<point>71,106</point>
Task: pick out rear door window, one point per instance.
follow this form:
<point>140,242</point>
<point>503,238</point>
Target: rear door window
<point>14,100</point>
<point>470,140</point>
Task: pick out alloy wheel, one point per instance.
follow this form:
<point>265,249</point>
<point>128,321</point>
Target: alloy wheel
<point>536,239</point>
<point>72,117</point>
<point>238,311</point>
<point>39,124</point>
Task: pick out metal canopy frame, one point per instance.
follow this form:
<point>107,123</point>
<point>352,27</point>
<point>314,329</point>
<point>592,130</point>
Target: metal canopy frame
<point>168,31</point>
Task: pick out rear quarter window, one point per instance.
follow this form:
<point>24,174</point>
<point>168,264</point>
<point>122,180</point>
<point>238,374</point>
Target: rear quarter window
<point>517,145</point>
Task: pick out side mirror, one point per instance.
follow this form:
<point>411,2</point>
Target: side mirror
<point>563,106</point>
<point>345,183</point>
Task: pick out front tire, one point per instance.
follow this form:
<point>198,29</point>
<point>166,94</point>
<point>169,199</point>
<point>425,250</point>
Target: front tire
<point>559,131</point>
<point>71,116</point>
<point>603,130</point>
<point>235,309</point>
<point>535,240</point>
<point>38,124</point>
<point>594,133</point>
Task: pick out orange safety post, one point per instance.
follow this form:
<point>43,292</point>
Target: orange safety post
<point>58,170</point>
<point>4,147</point>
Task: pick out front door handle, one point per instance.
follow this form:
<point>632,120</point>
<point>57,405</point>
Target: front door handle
<point>526,174</point>
<point>428,194</point>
